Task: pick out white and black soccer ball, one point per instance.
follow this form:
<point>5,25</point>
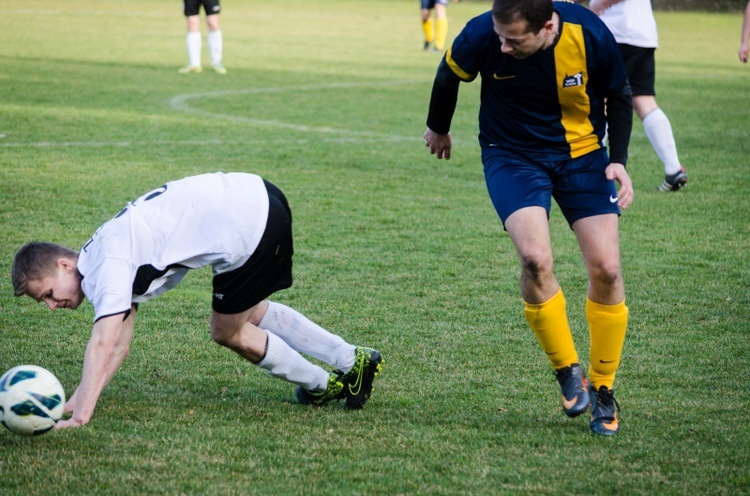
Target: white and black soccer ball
<point>31,400</point>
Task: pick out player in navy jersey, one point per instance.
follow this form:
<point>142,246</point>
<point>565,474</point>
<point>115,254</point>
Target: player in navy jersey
<point>241,226</point>
<point>553,83</point>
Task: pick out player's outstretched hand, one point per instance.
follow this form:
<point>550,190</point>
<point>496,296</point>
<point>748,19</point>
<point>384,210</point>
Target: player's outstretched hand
<point>439,144</point>
<point>625,194</point>
<point>744,50</point>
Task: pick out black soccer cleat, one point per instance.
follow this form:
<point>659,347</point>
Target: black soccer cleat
<point>604,408</point>
<point>334,391</point>
<point>674,182</point>
<point>574,389</point>
<point>358,381</point>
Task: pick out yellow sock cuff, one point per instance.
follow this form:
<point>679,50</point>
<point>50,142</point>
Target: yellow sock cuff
<point>549,321</point>
<point>607,326</point>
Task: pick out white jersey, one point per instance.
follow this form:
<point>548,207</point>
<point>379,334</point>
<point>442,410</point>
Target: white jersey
<point>146,249</point>
<point>632,22</point>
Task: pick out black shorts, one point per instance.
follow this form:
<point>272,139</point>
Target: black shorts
<point>192,7</point>
<point>641,68</point>
<point>269,268</point>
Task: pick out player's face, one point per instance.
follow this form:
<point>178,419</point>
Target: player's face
<point>517,41</point>
<point>59,290</point>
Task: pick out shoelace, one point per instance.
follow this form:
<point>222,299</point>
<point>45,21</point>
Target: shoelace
<point>607,399</point>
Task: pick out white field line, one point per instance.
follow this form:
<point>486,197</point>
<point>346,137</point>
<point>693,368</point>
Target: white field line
<point>182,103</point>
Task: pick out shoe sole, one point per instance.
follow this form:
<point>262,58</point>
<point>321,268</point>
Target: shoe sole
<point>679,183</point>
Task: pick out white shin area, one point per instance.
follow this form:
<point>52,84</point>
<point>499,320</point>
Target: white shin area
<point>194,44</point>
<point>283,362</point>
<point>659,131</point>
<point>215,46</point>
<point>304,336</point>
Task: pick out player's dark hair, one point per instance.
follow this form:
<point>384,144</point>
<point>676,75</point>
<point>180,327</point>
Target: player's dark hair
<point>535,12</point>
<point>36,260</point>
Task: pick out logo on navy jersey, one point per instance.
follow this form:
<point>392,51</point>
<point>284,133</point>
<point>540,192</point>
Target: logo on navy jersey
<point>574,80</point>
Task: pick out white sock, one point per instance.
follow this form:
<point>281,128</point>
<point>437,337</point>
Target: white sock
<point>307,337</point>
<point>284,363</point>
<point>215,46</point>
<point>659,131</point>
<point>194,45</point>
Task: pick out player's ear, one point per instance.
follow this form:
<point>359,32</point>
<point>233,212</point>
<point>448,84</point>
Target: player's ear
<point>549,27</point>
<point>64,263</point>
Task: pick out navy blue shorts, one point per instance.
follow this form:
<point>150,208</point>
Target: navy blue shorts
<point>578,185</point>
<point>430,4</point>
<point>641,68</point>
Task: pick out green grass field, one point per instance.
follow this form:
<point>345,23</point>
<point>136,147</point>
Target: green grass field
<point>395,250</point>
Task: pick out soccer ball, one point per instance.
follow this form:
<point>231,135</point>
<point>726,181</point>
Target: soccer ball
<point>31,400</point>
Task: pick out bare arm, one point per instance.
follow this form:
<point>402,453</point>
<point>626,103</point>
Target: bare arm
<point>745,35</point>
<point>107,348</point>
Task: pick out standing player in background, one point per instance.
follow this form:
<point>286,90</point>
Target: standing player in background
<point>241,226</point>
<point>547,70</point>
<point>633,24</point>
<point>435,30</point>
<point>194,40</point>
<point>745,35</point>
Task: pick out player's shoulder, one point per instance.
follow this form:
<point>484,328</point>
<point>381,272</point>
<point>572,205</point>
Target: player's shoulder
<point>571,11</point>
<point>574,13</point>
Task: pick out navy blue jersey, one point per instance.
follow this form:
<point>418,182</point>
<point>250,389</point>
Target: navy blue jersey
<point>551,103</point>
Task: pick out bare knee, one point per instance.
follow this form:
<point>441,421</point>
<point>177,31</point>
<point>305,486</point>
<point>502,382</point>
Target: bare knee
<point>223,332</point>
<point>239,335</point>
<point>536,265</point>
<point>605,273</point>
<point>227,328</point>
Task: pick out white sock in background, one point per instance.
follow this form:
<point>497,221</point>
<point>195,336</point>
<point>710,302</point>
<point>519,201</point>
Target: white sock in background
<point>283,362</point>
<point>305,336</point>
<point>215,46</point>
<point>659,131</point>
<point>194,44</point>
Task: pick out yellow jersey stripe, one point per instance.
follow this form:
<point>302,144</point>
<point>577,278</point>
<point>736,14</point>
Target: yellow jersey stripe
<point>572,78</point>
<point>465,76</point>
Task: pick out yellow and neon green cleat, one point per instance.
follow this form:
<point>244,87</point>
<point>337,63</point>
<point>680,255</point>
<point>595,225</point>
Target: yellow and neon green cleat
<point>334,391</point>
<point>191,69</point>
<point>358,381</point>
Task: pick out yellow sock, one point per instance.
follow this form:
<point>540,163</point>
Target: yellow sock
<point>607,325</point>
<point>429,30</point>
<point>441,33</point>
<point>549,321</point>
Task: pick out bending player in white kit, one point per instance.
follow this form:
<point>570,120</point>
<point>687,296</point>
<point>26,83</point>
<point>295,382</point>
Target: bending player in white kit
<point>241,226</point>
